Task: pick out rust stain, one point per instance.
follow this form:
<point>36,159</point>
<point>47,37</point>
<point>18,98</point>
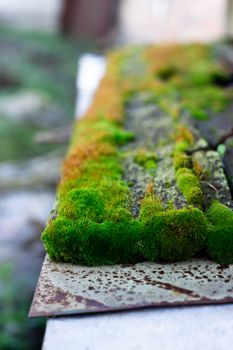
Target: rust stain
<point>65,289</point>
<point>181,290</point>
<point>89,303</point>
<point>59,297</point>
<point>201,302</point>
<point>223,267</point>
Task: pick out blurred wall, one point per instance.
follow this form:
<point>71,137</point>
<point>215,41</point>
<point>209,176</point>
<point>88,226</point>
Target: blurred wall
<point>230,19</point>
<point>31,14</point>
<point>172,20</point>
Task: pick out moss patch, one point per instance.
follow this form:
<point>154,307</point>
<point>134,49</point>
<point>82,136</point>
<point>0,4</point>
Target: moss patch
<point>189,185</point>
<point>220,235</point>
<point>173,235</point>
<point>145,158</point>
<point>96,223</point>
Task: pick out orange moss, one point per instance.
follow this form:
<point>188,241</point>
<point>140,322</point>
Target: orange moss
<point>161,57</point>
<point>171,56</point>
<point>150,189</point>
<point>107,103</point>
<point>80,155</point>
<point>197,168</point>
<point>184,135</point>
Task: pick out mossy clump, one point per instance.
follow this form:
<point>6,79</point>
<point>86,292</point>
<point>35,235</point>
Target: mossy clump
<point>146,158</point>
<point>149,206</point>
<point>81,202</point>
<point>189,185</point>
<point>220,234</point>
<point>184,135</point>
<point>111,243</point>
<point>167,73</point>
<point>182,73</point>
<point>91,243</point>
<point>62,238</point>
<point>182,160</point>
<point>198,168</point>
<point>172,235</point>
<point>187,182</point>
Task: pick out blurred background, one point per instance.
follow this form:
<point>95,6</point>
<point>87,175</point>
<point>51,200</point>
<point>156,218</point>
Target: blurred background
<point>40,44</point>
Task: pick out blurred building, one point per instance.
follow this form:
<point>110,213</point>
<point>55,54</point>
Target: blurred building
<point>172,20</point>
<point>149,20</point>
<point>129,20</point>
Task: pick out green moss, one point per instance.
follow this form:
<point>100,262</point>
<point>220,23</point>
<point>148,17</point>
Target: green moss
<point>146,158</point>
<point>79,203</point>
<point>111,243</point>
<point>120,136</point>
<point>189,185</point>
<point>120,215</point>
<point>205,72</point>
<point>197,113</point>
<point>212,98</point>
<point>150,164</point>
<point>109,166</point>
<point>173,235</point>
<point>90,243</point>
<point>220,235</point>
<point>181,146</point>
<point>181,160</point>
<point>149,207</point>
<point>167,73</point>
<point>62,238</point>
<point>112,131</point>
<point>182,73</point>
<point>182,171</point>
<point>127,96</point>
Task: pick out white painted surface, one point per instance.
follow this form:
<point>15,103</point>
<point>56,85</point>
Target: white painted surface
<point>91,71</point>
<point>30,14</point>
<point>184,328</point>
<point>172,20</point>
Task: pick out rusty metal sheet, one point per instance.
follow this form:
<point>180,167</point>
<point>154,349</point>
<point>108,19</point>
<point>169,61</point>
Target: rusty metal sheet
<point>65,289</point>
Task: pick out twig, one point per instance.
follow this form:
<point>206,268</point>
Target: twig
<point>221,141</point>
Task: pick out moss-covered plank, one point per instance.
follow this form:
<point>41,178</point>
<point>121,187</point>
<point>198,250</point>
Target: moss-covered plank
<point>132,187</point>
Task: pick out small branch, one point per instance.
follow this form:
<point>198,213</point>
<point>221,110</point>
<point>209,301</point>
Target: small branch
<point>224,138</point>
<point>211,186</point>
<point>221,141</point>
<point>199,149</point>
